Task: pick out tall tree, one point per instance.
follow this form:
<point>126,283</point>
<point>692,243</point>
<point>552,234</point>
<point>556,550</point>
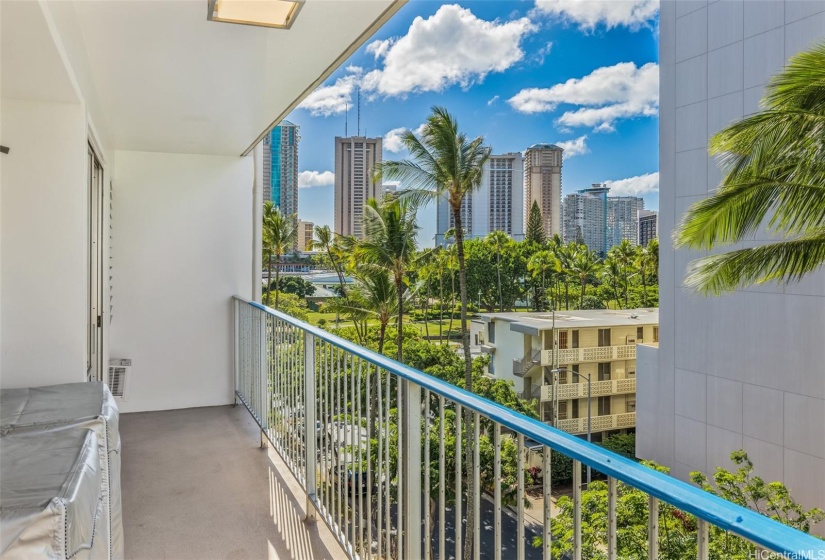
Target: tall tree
<point>499,241</point>
<point>445,164</point>
<point>389,242</point>
<point>535,226</point>
<point>584,266</point>
<point>774,175</point>
<point>325,240</point>
<point>540,264</point>
<point>279,235</point>
<point>624,253</point>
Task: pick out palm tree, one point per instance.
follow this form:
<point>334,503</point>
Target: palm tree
<point>774,175</point>
<point>499,241</point>
<point>374,296</point>
<point>324,239</point>
<point>445,164</point>
<point>390,229</point>
<point>540,264</point>
<point>612,274</point>
<point>624,253</point>
<point>279,235</point>
<point>647,261</point>
<point>585,266</point>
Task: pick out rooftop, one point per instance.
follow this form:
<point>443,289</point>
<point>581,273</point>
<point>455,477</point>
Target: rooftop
<point>535,322</point>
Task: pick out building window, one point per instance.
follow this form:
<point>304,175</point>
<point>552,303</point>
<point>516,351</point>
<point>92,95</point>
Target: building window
<point>575,409</point>
<point>563,376</point>
<point>604,406</point>
<point>655,334</point>
<point>604,337</point>
<point>604,371</point>
<point>575,339</point>
<point>562,411</point>
<point>640,334</point>
<point>563,340</point>
<point>576,377</point>
<point>491,331</point>
<point>631,405</point>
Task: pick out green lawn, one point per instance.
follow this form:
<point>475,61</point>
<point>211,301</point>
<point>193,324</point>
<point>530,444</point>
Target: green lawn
<point>314,316</point>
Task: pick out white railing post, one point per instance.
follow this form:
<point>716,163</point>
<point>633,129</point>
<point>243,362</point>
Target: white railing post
<point>236,312</point>
<point>411,524</point>
<point>309,424</point>
<point>264,403</point>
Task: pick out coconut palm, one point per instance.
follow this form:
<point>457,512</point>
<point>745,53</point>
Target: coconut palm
<point>774,164</point>
<point>390,229</point>
<point>279,236</point>
<point>325,240</point>
<point>374,296</point>
<point>647,262</point>
<point>539,265</point>
<point>445,163</point>
<point>612,274</point>
<point>584,266</point>
<point>624,254</point>
<point>498,241</point>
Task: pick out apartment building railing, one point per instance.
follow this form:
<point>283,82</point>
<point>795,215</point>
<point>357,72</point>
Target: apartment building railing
<point>566,391</point>
<point>348,422</point>
<point>592,354</point>
<point>578,426</point>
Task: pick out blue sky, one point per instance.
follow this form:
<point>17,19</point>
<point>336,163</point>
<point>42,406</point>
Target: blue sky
<point>581,74</point>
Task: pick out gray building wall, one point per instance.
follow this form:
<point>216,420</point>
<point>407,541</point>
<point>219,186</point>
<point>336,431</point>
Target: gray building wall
<point>745,370</point>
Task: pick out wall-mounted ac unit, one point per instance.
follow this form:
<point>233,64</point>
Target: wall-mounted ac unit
<point>631,340</point>
<point>120,372</point>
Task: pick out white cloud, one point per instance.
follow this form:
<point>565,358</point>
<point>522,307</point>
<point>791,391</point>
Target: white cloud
<point>635,186</point>
<point>392,140</point>
<point>575,147</point>
<point>493,100</point>
<point>315,179</point>
<point>588,14</point>
<point>605,95</point>
<point>335,98</point>
<point>450,47</point>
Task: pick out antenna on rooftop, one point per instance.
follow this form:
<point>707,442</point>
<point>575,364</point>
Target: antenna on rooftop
<point>359,110</point>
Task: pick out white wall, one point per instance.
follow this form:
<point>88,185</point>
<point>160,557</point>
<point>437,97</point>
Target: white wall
<point>43,234</point>
<point>183,244</point>
<point>743,370</point>
<point>509,346</point>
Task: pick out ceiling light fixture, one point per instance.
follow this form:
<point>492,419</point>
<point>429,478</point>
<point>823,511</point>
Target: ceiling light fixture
<point>265,13</point>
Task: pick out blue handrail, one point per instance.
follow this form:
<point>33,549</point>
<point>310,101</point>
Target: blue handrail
<point>717,511</point>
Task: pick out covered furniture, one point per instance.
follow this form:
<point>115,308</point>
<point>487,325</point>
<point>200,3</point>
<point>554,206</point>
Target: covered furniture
<point>60,473</point>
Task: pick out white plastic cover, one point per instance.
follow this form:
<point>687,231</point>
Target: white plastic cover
<point>79,405</point>
<point>51,495</point>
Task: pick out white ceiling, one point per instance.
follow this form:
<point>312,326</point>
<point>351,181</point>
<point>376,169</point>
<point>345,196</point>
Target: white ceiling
<point>169,80</point>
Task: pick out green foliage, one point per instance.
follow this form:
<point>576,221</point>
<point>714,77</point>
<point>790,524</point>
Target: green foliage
<point>591,302</point>
<point>535,226</point>
<point>774,175</point>
<point>295,285</point>
<point>288,303</point>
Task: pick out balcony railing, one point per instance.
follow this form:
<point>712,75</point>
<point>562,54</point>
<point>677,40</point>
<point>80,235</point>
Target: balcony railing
<point>523,365</point>
<point>566,391</point>
<point>348,422</point>
<point>592,354</point>
<point>578,426</point>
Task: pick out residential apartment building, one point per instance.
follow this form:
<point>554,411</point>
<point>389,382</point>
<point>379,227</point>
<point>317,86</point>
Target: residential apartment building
<point>280,167</point>
<point>355,157</point>
<point>303,238</point>
<point>743,370</point>
<point>601,221</point>
<point>497,205</point>
<point>542,184</point>
<point>526,348</point>
<point>648,226</point>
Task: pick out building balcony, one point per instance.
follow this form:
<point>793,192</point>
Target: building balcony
<point>593,354</point>
<point>487,348</point>
<point>578,426</point>
<point>579,390</point>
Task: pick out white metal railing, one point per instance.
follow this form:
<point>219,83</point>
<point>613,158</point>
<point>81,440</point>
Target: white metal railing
<point>590,354</point>
<point>349,423</point>
<point>579,390</point>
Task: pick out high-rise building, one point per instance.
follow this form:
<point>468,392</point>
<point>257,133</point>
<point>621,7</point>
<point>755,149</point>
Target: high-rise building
<point>280,167</point>
<point>542,184</point>
<point>497,205</point>
<point>355,157</point>
<point>648,226</point>
<point>742,370</point>
<point>585,218</point>
<point>600,221</point>
<point>303,238</point>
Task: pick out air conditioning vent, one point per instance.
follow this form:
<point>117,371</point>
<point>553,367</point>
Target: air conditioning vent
<point>120,372</point>
<point>631,340</point>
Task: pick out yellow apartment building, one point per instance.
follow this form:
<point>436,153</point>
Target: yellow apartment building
<point>553,357</point>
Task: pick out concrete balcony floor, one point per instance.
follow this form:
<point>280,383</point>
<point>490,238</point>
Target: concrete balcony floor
<point>196,484</point>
